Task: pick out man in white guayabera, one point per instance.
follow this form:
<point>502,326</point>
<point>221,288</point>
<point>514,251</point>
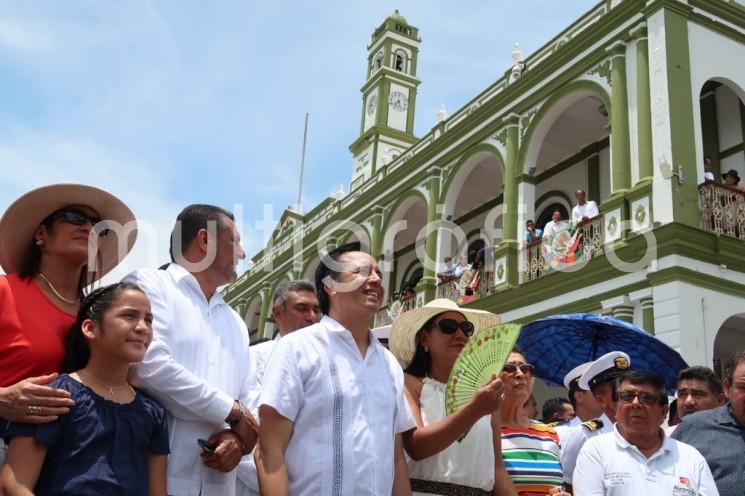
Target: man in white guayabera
<point>332,404</point>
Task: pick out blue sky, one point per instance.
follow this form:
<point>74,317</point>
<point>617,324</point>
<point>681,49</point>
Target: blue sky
<point>166,103</point>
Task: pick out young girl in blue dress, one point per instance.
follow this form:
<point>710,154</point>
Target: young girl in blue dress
<point>114,440</point>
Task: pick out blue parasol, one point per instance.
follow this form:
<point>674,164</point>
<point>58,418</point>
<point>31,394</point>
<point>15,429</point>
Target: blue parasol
<point>557,344</point>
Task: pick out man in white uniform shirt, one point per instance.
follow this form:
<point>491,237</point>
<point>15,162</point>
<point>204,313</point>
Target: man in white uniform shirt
<point>332,408</point>
<point>585,406</point>
<point>294,307</point>
<point>584,210</point>
<point>198,364</point>
<point>599,378</point>
<point>637,458</point>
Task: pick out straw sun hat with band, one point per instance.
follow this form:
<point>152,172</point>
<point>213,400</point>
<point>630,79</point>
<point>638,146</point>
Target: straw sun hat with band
<point>403,340</point>
<point>21,220</point>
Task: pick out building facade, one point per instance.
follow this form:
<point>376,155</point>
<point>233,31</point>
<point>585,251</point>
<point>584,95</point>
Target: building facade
<point>624,104</point>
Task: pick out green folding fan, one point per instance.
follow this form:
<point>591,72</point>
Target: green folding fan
<point>484,355</point>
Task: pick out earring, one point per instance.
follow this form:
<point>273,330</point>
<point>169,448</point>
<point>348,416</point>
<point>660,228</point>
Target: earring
<point>426,350</point>
<point>39,242</point>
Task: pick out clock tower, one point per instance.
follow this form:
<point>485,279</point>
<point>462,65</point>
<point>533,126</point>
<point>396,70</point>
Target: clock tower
<point>388,98</point>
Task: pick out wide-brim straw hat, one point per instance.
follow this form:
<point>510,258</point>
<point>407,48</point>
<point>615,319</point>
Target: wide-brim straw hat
<point>22,218</point>
<point>405,327</point>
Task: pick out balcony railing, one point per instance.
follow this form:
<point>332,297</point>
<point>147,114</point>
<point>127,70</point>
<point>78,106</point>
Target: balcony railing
<point>722,209</point>
<point>470,286</point>
<point>563,250</point>
<point>385,315</point>
<point>447,289</point>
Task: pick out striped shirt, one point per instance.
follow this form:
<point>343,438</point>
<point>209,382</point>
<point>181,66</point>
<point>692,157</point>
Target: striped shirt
<point>531,457</point>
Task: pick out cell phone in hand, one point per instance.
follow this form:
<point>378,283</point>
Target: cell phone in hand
<point>206,446</point>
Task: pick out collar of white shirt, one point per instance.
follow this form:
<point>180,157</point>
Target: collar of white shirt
<point>336,328</point>
<point>625,444</point>
<point>181,276</point>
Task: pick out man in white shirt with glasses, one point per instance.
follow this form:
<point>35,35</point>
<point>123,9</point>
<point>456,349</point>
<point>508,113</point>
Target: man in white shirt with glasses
<point>637,458</point>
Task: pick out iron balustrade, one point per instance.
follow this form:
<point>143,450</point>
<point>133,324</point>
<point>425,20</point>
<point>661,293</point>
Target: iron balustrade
<point>586,241</point>
<point>722,209</point>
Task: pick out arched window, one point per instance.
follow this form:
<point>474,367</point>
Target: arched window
<point>545,216</point>
<point>414,279</point>
<point>398,61</point>
<point>378,61</point>
<point>476,251</point>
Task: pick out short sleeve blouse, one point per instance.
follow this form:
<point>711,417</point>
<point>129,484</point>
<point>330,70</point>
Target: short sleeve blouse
<point>32,341</point>
<point>100,447</point>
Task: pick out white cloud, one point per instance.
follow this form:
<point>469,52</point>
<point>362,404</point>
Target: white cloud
<point>30,160</point>
<point>25,38</point>
<point>167,103</point>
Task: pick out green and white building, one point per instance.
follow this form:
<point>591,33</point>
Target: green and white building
<point>625,103</point>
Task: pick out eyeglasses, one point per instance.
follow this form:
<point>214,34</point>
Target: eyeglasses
<point>525,368</point>
<point>646,399</point>
<point>78,218</point>
<point>450,326</point>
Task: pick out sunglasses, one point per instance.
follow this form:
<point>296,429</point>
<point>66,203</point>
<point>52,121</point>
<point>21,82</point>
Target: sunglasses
<point>78,218</point>
<point>646,399</point>
<point>450,326</point>
<point>525,368</point>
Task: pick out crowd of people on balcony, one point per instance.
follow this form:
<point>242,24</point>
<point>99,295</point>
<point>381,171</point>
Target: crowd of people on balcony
<point>731,178</point>
<point>460,282</point>
<point>149,386</point>
<point>584,211</point>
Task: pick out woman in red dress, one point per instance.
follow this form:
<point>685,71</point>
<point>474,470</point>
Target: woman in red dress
<point>54,242</point>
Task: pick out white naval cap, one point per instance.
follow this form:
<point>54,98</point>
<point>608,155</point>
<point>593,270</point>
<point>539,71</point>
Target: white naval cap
<point>576,373</point>
<point>604,369</point>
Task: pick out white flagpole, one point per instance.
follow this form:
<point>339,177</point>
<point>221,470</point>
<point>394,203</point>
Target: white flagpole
<point>302,165</point>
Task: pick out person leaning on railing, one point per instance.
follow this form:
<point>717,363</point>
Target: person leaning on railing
<point>732,179</point>
<point>532,233</point>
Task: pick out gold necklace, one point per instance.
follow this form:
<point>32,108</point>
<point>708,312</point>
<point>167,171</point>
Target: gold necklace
<point>110,387</point>
<point>54,290</point>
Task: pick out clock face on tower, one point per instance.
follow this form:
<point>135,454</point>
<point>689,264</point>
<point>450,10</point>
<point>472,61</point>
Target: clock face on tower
<point>371,103</point>
<point>398,101</point>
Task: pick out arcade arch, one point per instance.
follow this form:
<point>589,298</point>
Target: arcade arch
<point>568,146</point>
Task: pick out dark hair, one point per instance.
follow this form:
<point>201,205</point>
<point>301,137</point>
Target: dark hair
<point>31,263</point>
<point>287,287</point>
<point>732,363</point>
<point>639,377</point>
<point>572,399</point>
<point>673,412</point>
<point>93,307</point>
<point>551,407</point>
<point>421,362</point>
<point>704,374</point>
<point>529,221</point>
<point>194,218</point>
<point>323,271</point>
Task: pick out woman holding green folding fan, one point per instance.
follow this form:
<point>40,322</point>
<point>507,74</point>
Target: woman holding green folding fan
<point>427,342</point>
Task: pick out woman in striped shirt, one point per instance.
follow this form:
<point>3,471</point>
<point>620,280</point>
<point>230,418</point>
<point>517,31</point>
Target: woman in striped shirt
<point>530,448</point>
